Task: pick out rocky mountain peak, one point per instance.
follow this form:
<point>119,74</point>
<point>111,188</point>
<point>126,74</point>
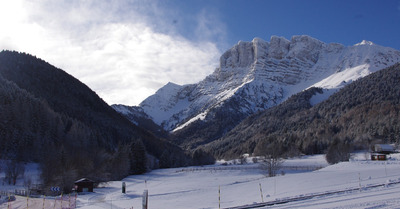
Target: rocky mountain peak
<point>240,55</point>
<point>244,54</point>
<point>257,75</point>
<point>365,42</point>
<point>278,47</point>
<point>305,48</point>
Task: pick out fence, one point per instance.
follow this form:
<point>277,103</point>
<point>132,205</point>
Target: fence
<point>224,168</point>
<point>63,201</point>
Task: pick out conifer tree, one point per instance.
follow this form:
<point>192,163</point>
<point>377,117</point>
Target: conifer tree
<point>138,157</point>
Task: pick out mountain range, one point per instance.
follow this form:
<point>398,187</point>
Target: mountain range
<point>253,77</point>
<point>297,96</point>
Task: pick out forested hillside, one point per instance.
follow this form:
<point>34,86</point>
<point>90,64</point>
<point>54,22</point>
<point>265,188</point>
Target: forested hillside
<point>363,112</point>
<point>47,116</point>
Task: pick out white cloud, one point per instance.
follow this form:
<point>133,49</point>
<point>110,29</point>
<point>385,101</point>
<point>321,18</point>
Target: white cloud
<point>111,46</point>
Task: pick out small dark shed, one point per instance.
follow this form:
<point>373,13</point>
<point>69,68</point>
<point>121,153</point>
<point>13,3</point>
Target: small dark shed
<point>84,185</point>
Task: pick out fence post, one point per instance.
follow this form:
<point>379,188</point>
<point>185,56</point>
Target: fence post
<point>145,199</point>
<point>219,197</point>
<point>55,202</point>
<point>123,187</point>
<point>385,168</point>
<point>61,199</point>
<point>9,201</point>
<point>262,198</point>
<point>76,196</point>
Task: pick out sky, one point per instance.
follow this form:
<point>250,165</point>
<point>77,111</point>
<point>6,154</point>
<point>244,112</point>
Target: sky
<point>125,50</point>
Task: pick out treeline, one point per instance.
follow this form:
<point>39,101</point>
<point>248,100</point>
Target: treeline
<point>47,116</point>
<point>364,112</point>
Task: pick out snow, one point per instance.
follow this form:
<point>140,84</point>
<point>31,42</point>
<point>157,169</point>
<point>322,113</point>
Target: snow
<point>288,66</point>
<point>365,42</point>
<point>368,184</point>
<point>201,116</point>
<point>164,103</point>
<point>122,109</point>
<point>343,78</point>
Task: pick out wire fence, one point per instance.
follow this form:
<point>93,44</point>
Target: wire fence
<point>224,168</point>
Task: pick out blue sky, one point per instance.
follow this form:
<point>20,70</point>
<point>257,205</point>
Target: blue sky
<point>126,50</point>
<point>343,21</point>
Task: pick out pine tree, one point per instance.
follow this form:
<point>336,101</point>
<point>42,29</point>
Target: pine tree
<point>165,159</point>
<point>138,157</point>
<point>120,163</point>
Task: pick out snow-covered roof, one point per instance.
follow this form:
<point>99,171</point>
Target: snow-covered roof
<point>84,180</point>
<point>384,148</point>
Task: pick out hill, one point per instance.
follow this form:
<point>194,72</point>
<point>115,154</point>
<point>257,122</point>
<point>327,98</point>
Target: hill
<point>50,117</point>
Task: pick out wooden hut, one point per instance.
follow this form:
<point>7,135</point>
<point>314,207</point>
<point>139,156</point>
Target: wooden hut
<point>380,151</point>
<point>84,185</point>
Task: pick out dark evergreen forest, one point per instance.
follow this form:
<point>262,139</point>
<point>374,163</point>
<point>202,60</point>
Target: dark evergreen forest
<point>48,116</point>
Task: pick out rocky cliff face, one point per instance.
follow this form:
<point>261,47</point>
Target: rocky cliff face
<point>256,75</point>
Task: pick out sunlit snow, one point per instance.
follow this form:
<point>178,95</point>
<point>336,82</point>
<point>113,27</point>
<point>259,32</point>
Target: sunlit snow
<point>368,184</point>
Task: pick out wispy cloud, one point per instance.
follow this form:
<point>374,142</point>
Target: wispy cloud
<point>124,50</point>
<point>209,26</point>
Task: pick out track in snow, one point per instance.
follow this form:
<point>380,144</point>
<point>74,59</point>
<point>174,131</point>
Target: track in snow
<point>311,196</point>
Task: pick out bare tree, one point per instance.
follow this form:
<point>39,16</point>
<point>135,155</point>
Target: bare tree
<point>273,160</point>
<point>272,164</point>
<point>13,170</point>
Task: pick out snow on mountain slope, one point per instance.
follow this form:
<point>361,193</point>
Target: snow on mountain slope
<point>262,74</point>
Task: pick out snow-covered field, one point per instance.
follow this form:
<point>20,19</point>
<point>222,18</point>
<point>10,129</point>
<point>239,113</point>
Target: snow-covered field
<point>236,185</point>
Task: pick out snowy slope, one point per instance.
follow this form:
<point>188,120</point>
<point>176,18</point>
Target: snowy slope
<point>262,74</point>
<point>198,187</point>
<point>240,185</point>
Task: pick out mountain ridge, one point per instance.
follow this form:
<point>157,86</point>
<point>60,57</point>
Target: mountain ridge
<point>254,76</point>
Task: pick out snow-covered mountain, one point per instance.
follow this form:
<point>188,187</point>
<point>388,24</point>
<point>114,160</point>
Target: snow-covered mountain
<point>256,75</point>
